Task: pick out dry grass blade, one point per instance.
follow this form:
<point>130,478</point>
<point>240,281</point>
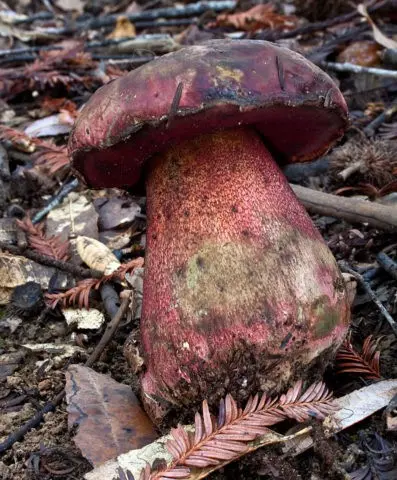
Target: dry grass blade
<point>366,363</point>
<point>52,246</point>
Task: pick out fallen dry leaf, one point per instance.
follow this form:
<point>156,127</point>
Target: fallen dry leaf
<point>378,35</point>
<point>70,5</point>
<point>260,16</point>
<point>124,28</point>
<point>97,255</point>
<point>16,270</point>
<point>108,413</point>
<point>117,212</point>
<point>364,53</point>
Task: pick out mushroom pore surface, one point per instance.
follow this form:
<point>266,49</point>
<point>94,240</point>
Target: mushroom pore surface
<point>240,291</point>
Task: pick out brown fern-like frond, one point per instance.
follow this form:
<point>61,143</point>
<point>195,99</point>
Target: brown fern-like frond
<point>77,295</point>
<point>46,154</point>
<point>52,158</point>
<point>81,292</point>
<point>18,139</point>
<point>227,437</point>
<point>125,268</point>
<point>52,246</point>
<point>366,363</point>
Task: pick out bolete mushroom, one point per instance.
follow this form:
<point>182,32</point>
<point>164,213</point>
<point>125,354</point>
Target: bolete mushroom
<point>240,290</point>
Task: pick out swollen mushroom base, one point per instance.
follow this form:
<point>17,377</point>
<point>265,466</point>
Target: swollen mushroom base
<point>240,291</point>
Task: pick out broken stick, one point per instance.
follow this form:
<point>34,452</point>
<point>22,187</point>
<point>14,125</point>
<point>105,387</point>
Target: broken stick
<point>351,209</point>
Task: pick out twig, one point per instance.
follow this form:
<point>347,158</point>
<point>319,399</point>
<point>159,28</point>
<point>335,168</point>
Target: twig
<point>387,264</point>
<point>110,299</point>
<point>56,200</point>
<point>51,262</point>
<point>350,209</point>
<point>38,418</point>
<point>348,171</point>
<point>155,42</point>
<point>176,22</point>
<point>344,267</point>
<point>168,12</point>
<point>21,51</point>
<point>34,422</point>
<point>315,26</point>
<point>318,54</point>
<point>124,58</point>
<point>371,128</point>
<point>34,17</point>
<point>352,68</point>
<point>181,11</point>
<point>110,329</point>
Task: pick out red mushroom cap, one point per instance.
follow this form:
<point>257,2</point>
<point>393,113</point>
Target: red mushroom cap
<point>292,103</point>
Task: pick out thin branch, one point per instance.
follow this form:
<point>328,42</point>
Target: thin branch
<point>352,68</point>
<point>56,200</point>
<point>51,262</point>
<point>388,265</point>
<point>38,418</point>
<point>344,267</point>
<point>352,210</point>
<point>80,293</point>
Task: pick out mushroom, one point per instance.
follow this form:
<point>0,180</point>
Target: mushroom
<point>240,291</point>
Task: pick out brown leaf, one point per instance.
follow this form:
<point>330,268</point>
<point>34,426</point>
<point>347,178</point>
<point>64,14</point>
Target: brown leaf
<point>124,28</point>
<point>257,17</point>
<point>364,53</point>
<point>50,69</point>
<point>109,415</point>
<point>380,37</point>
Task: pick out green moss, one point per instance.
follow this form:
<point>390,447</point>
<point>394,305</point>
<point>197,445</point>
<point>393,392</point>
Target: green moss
<point>327,316</point>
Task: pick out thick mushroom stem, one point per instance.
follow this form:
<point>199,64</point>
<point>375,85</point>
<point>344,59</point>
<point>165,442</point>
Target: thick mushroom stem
<point>240,291</point>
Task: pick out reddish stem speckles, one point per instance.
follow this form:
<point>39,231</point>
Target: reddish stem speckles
<point>235,276</point>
